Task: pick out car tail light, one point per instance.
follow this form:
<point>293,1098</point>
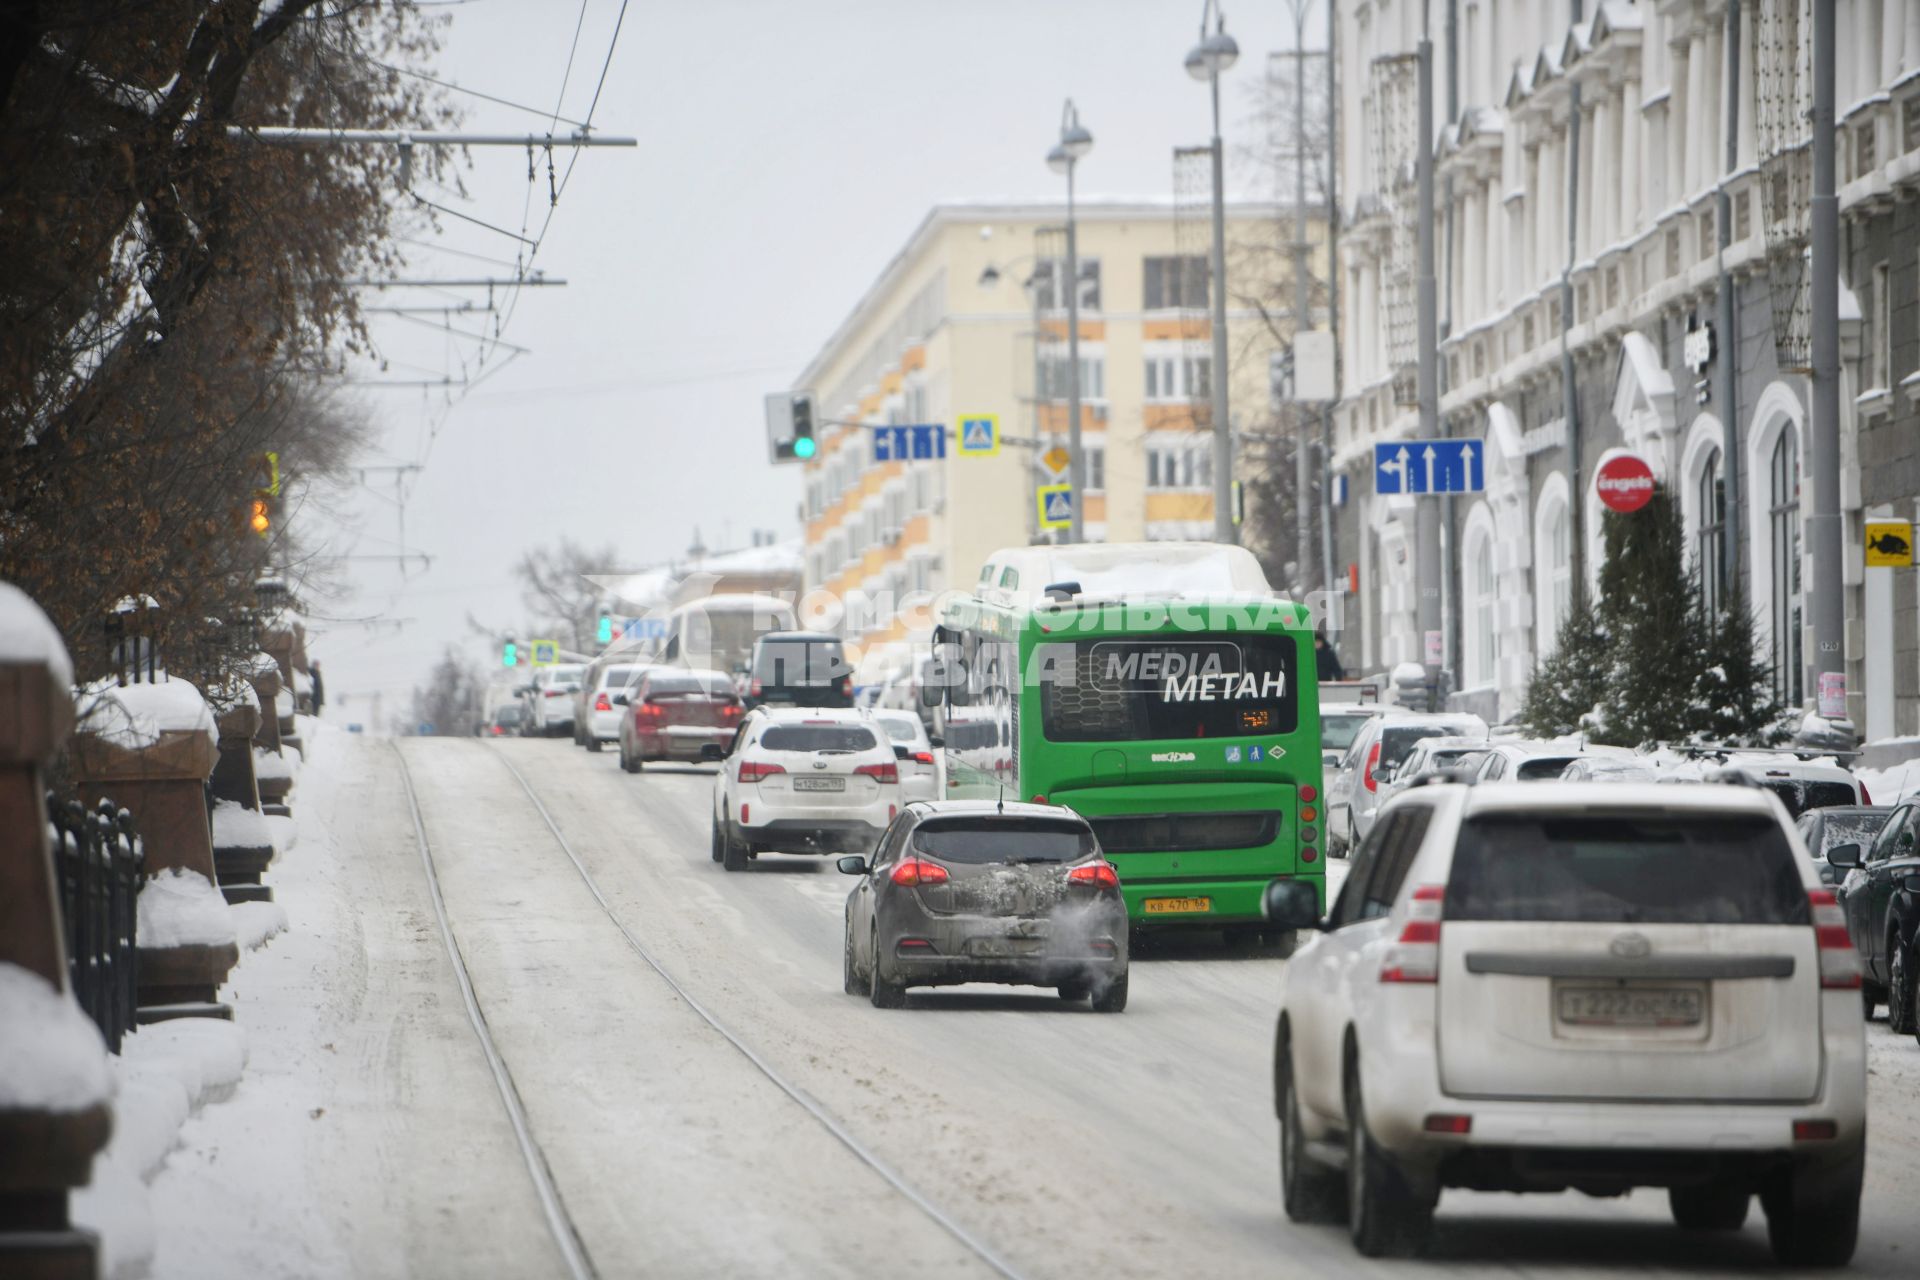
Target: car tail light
<point>650,711</point>
<point>1815,1130</point>
<point>746,811</point>
<point>1839,963</point>
<point>923,757</point>
<point>1100,875</point>
<point>1443,1123</point>
<point>556,693</point>
<point>600,703</point>
<point>913,947</point>
<point>884,773</point>
<point>846,685</point>
<point>917,873</point>
<point>1415,954</point>
<point>1308,795</point>
<point>1866,796</point>
<point>756,770</point>
<point>730,711</point>
<point>754,687</point>
<point>1373,758</point>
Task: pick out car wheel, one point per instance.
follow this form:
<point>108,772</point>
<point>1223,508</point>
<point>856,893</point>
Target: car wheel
<point>733,853</point>
<point>1076,989</point>
<point>1872,995</point>
<point>1709,1208</point>
<point>850,976</point>
<point>882,993</point>
<point>1813,1214</point>
<point>1900,1013</point>
<point>719,841</point>
<point>1353,837</point>
<point>1384,1215</point>
<point>1309,1191</point>
<point>592,743</point>
<point>1112,999</point>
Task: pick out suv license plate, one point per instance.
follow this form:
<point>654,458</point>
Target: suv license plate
<point>1176,906</point>
<point>819,784</point>
<point>1629,1006</point>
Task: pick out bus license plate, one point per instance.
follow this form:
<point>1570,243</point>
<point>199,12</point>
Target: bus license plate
<point>819,784</point>
<point>1629,1006</point>
<point>1176,906</point>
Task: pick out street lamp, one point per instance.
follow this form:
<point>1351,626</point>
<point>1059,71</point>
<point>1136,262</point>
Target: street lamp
<point>1214,54</point>
<point>1065,155</point>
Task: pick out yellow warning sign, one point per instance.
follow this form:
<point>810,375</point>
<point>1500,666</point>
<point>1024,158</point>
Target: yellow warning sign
<point>1057,460</point>
<point>1889,544</point>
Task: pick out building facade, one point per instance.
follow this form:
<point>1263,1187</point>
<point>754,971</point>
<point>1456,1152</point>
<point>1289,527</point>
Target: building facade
<point>969,319</point>
<point>1602,261</point>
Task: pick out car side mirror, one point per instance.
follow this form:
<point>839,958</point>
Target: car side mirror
<point>936,742</point>
<point>901,753</point>
<point>622,700</point>
<point>1911,883</point>
<point>1291,904</point>
<point>1844,856</point>
<point>852,865</point>
<point>712,752</point>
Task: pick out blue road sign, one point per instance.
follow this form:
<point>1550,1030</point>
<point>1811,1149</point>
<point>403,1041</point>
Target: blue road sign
<point>980,435</point>
<point>917,441</point>
<point>1430,466</point>
<point>645,628</point>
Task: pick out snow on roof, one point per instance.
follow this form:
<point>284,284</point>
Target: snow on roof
<point>1112,570</point>
<point>135,715</point>
<point>51,1055</point>
<point>181,908</point>
<point>27,636</point>
<point>781,557</point>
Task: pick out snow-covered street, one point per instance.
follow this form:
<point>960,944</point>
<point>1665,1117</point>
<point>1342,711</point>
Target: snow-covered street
<point>368,1135</point>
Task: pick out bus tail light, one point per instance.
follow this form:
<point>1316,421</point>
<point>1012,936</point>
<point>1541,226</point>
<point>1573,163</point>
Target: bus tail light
<point>1415,954</point>
<point>1366,777</point>
<point>1308,795</point>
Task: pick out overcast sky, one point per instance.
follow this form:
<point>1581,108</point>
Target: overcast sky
<point>787,148</point>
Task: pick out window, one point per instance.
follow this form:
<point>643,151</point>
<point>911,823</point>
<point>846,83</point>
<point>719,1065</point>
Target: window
<point>1179,377</point>
<point>1880,355</point>
<point>1096,463</point>
<point>1784,515</point>
<point>1480,641</point>
<point>1560,565</point>
<point>1710,544</point>
<point>1180,464</point>
<point>1053,375</point>
<point>1049,294</point>
<point>1176,282</point>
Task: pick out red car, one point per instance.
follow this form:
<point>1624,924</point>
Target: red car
<point>671,714</point>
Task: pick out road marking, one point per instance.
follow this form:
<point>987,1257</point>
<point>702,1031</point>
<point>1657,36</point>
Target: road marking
<point>559,1224</point>
<point>807,1101</point>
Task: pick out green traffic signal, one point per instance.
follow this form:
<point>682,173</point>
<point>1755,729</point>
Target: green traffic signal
<point>605,633</point>
<point>803,447</point>
<point>510,654</point>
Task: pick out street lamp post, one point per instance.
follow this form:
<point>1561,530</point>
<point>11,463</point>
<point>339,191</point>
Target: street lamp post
<point>1074,143</point>
<point>1205,61</point>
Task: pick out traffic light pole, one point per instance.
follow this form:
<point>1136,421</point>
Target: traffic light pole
<point>1827,599</point>
<point>1427,560</point>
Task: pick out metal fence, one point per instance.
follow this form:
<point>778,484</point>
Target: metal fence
<point>99,861</point>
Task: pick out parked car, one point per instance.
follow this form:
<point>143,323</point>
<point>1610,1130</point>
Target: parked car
<point>504,722</point>
<point>973,891</point>
<point>1823,829</point>
<point>799,669</point>
<point>1802,785</point>
<point>1608,769</point>
<point>1564,987</point>
<point>596,716</point>
<point>1525,761</point>
<point>919,755</point>
<point>802,780</point>
<point>1340,724</point>
<point>1432,756</point>
<point>549,701</point>
<point>675,714</point>
<point>1377,750</point>
<point>1881,897</point>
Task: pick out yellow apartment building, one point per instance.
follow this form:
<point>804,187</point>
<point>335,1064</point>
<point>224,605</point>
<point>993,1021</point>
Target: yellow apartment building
<point>968,320</point>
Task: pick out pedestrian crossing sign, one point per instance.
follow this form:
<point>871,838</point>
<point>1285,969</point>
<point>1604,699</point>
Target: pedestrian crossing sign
<point>1056,506</point>
<point>546,653</point>
<point>980,435</point>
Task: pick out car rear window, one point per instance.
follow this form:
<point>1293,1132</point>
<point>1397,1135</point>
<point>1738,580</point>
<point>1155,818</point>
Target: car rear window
<point>798,662</point>
<point>818,737</point>
<point>1396,743</point>
<point>689,686</point>
<point>1338,732</point>
<point>901,729</point>
<point>979,840</point>
<point>1800,795</point>
<point>1626,868</point>
<point>619,677</point>
<point>1541,768</point>
<point>1849,828</point>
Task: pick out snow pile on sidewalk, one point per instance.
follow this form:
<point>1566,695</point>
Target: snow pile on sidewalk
<point>135,715</point>
<point>181,908</point>
<point>27,636</point>
<point>237,827</point>
<point>166,1071</point>
<point>255,922</point>
<point>51,1055</point>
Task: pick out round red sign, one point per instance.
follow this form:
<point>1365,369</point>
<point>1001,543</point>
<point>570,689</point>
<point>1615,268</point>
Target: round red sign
<point>1625,482</point>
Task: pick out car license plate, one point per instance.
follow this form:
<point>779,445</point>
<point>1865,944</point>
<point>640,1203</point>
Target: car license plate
<point>1630,1006</point>
<point>819,784</point>
<point>1176,906</point>
<point>1007,947</point>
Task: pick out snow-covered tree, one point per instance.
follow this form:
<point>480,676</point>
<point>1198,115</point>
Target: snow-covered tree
<point>1736,686</point>
<point>1571,682</point>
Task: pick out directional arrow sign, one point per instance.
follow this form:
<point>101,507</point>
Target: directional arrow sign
<point>905,442</point>
<point>1429,466</point>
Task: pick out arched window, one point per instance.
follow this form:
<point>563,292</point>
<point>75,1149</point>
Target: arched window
<point>1559,552</point>
<point>1552,563</point>
<point>1710,542</point>
<point>1481,645</point>
<point>1783,509</point>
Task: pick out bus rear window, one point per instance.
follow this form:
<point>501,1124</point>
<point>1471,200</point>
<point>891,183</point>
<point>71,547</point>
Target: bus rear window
<point>1653,868</point>
<point>1191,688</point>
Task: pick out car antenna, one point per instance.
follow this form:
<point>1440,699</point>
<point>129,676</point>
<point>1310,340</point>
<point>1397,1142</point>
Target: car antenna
<point>1000,802</point>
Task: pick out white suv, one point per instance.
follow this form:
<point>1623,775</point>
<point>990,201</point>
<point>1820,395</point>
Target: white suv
<point>803,780</point>
<point>1554,986</point>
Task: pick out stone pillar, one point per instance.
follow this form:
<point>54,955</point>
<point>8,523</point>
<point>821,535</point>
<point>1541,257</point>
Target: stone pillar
<point>1678,77</point>
<point>45,1150</point>
<point>161,778</point>
<point>241,851</point>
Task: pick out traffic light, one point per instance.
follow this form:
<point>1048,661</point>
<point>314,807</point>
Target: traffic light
<point>261,521</point>
<point>605,632</point>
<point>509,654</point>
<point>791,424</point>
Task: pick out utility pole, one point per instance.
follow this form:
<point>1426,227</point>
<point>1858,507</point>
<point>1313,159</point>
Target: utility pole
<point>1426,509</point>
<point>1727,340</point>
<point>1828,599</point>
<point>1302,301</point>
<point>1569,392</point>
<point>1333,299</point>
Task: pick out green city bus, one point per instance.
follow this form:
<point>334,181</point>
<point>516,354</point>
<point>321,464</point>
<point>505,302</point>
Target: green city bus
<point>1160,690</point>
